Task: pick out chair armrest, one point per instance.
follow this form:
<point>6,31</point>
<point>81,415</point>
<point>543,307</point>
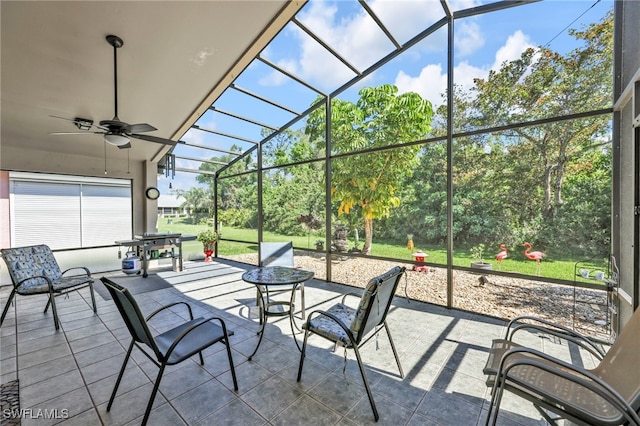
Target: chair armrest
<point>359,296</point>
<point>162,308</point>
<point>582,341</point>
<point>195,325</point>
<point>580,377</point>
<point>514,322</point>
<point>554,329</point>
<point>86,270</point>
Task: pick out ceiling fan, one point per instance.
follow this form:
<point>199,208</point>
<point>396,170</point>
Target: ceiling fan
<point>115,132</point>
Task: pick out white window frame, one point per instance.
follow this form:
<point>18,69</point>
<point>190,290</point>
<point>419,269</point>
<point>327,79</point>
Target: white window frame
<point>69,211</point>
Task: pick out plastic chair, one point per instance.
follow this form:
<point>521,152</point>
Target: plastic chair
<point>348,327</point>
<point>608,394</point>
<point>34,270</point>
<point>172,346</point>
<point>279,254</point>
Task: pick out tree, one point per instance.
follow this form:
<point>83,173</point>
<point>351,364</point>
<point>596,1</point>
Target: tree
<point>381,118</point>
<point>199,202</point>
<point>544,84</point>
<point>548,183</point>
<point>281,210</point>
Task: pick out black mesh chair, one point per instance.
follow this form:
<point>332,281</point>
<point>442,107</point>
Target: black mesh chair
<point>172,346</point>
<point>349,327</point>
<point>608,394</point>
<point>279,254</point>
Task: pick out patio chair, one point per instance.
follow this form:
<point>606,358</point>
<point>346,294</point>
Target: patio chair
<point>349,327</point>
<point>279,254</point>
<point>172,346</point>
<point>608,394</point>
<point>540,326</point>
<point>34,270</point>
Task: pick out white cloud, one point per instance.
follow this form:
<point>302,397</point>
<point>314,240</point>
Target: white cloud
<point>429,84</point>
<point>517,43</point>
<point>357,38</point>
<point>405,19</point>
<point>468,38</point>
<point>432,80</point>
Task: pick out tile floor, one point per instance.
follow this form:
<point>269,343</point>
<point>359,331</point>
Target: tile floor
<point>67,376</point>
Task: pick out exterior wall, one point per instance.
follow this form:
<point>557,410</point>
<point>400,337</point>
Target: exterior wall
<point>5,223</point>
<point>627,74</point>
<point>142,174</point>
<point>97,260</point>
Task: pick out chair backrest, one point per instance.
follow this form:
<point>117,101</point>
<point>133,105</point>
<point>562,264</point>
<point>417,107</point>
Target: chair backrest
<point>375,302</point>
<point>276,254</point>
<point>131,314</point>
<point>619,367</point>
<point>31,261</point>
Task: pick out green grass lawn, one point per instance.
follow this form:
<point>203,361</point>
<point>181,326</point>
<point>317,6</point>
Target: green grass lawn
<point>551,267</point>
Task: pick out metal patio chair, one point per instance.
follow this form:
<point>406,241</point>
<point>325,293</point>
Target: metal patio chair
<point>34,270</point>
<point>352,328</point>
<point>279,254</point>
<point>172,346</point>
<point>608,394</point>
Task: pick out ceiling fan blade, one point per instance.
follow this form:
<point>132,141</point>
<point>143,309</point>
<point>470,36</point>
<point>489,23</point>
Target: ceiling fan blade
<point>76,133</point>
<point>153,139</point>
<point>63,118</point>
<point>141,128</point>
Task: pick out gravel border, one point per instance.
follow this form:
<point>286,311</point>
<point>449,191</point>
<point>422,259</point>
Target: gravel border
<point>499,296</point>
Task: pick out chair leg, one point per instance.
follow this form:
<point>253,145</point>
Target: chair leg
<point>233,370</point>
<point>156,385</point>
<point>124,364</point>
<point>93,298</point>
<point>6,307</point>
<point>494,405</point>
<point>393,348</point>
<point>302,301</point>
<point>366,383</point>
<point>52,299</point>
<point>302,354</point>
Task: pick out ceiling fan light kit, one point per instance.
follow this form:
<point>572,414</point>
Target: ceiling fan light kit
<point>115,131</point>
<point>115,139</point>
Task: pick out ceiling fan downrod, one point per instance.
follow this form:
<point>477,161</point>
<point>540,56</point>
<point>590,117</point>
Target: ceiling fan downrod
<point>116,42</point>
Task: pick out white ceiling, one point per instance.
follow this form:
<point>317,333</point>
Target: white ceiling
<point>55,61</point>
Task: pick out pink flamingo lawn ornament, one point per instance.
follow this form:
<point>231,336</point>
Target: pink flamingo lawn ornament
<point>534,255</point>
<point>502,255</point>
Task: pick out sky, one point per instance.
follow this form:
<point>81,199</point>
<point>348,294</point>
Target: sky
<point>481,44</point>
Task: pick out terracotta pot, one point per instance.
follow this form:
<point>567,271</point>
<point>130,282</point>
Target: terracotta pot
<point>208,254</point>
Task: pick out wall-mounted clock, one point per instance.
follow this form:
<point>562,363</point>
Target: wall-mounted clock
<point>152,193</point>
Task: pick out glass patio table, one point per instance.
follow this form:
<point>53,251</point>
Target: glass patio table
<point>276,277</point>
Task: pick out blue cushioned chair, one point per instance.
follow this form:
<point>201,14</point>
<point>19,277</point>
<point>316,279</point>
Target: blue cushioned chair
<point>349,327</point>
<point>34,270</point>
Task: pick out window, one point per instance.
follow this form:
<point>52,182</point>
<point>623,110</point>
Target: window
<point>69,211</point>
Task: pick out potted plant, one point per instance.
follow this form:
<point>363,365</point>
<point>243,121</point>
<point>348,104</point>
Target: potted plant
<point>319,245</point>
<point>208,238</point>
<point>477,252</point>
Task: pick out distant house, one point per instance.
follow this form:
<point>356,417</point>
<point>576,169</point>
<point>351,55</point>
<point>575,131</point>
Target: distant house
<point>169,204</point>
